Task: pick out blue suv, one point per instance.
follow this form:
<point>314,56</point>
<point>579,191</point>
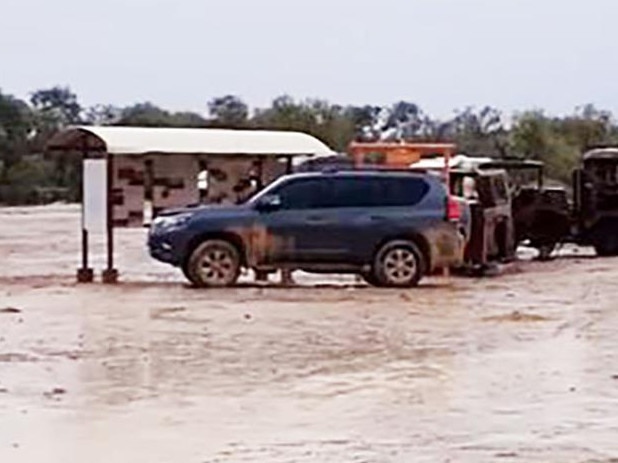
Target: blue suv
<point>392,228</point>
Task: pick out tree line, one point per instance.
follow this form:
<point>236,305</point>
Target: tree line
<point>29,176</point>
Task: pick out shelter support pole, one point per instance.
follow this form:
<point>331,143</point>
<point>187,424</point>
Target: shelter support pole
<point>110,274</point>
<point>84,274</point>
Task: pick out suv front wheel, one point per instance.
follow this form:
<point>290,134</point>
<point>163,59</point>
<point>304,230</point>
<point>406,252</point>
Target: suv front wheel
<point>214,263</point>
<point>398,264</point>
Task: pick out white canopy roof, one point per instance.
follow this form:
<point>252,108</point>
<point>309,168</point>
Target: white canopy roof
<point>145,140</point>
<point>459,161</point>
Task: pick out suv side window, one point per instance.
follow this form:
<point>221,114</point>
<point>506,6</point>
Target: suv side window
<point>397,192</point>
<point>302,194</point>
<point>353,192</point>
<point>376,192</point>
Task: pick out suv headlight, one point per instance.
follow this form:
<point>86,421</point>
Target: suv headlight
<point>168,222</point>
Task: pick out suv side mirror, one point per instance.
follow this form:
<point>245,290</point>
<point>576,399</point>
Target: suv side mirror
<point>268,203</point>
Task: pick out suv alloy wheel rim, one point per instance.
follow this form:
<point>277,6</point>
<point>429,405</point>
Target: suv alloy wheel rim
<point>400,266</point>
<point>217,267</point>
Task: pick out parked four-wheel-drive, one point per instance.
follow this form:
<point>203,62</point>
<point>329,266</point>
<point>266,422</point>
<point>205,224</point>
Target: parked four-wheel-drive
<point>595,191</point>
<point>392,228</point>
<point>541,214</point>
<point>487,193</point>
<point>492,236</point>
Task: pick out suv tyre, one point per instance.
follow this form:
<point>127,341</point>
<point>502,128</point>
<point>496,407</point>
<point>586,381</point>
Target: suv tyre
<point>214,263</point>
<point>398,264</point>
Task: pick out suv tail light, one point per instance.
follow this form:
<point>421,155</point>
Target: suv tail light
<point>453,209</point>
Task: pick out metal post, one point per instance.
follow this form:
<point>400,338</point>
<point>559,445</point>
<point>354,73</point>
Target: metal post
<point>84,274</point>
<point>110,274</point>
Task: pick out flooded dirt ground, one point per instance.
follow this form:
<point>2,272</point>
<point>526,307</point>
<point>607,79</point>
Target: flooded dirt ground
<point>520,368</point>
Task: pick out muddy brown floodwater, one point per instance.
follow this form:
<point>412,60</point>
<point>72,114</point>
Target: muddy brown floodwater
<point>518,368</point>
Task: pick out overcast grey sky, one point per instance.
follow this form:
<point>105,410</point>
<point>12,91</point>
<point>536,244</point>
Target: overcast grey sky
<point>441,54</point>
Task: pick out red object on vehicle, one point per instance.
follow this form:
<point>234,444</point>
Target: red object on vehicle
<point>453,209</point>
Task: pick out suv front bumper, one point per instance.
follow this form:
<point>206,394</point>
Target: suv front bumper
<point>161,247</point>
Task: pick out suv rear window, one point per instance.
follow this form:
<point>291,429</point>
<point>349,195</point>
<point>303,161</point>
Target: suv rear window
<point>376,192</point>
<point>403,191</point>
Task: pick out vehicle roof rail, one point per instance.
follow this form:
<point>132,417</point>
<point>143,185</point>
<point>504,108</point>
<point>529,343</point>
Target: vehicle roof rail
<point>598,146</point>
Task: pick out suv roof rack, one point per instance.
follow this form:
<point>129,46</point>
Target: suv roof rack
<point>334,170</point>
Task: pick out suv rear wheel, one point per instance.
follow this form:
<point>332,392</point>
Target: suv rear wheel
<point>214,263</point>
<point>398,264</point>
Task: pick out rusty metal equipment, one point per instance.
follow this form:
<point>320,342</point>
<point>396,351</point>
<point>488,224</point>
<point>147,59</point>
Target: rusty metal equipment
<point>397,155</point>
<point>541,214</point>
<point>492,236</point>
<point>595,190</point>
